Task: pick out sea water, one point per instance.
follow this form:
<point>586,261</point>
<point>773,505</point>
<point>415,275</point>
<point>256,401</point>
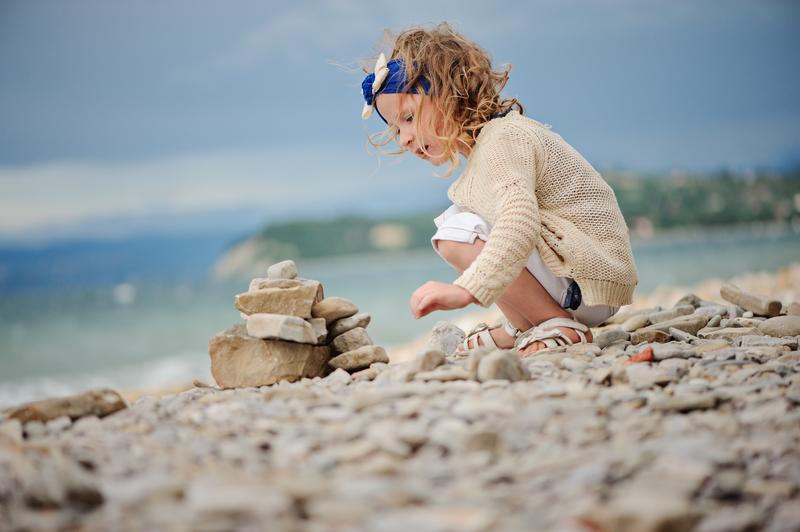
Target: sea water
<point>144,336</point>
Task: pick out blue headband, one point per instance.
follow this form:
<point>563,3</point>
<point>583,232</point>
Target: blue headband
<point>388,78</point>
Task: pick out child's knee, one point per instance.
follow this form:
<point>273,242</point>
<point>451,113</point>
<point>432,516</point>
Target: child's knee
<point>459,254</point>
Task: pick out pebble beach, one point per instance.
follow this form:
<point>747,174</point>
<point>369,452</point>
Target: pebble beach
<point>636,432</point>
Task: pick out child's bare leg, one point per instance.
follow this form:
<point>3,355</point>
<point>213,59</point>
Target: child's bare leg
<point>525,302</point>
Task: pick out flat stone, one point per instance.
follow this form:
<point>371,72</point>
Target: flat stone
<point>360,358</point>
<point>757,303</point>
<point>320,328</point>
<point>606,338</point>
<point>781,326</point>
<point>688,324</point>
<point>351,340</point>
<point>282,270</point>
<point>711,311</point>
<point>649,336</point>
<point>281,327</point>
<point>670,314</point>
<point>501,364</point>
<point>334,308</point>
<point>633,323</point>
<point>261,283</point>
<point>673,350</point>
<point>730,332</point>
<point>573,364</point>
<point>790,342</point>
<point>100,402</point>
<point>296,301</point>
<point>446,337</point>
<point>343,325</point>
<point>622,317</point>
<point>238,360</point>
<point>646,375</point>
<point>683,402</point>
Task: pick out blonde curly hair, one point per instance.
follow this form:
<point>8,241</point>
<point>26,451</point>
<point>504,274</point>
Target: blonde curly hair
<point>463,85</point>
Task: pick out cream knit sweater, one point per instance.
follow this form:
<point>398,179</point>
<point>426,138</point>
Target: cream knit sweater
<point>538,192</point>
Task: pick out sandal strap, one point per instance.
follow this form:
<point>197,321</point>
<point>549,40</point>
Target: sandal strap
<point>512,331</point>
<point>480,331</point>
<point>547,333</point>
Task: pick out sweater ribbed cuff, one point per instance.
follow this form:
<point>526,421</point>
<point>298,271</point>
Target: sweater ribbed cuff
<point>485,297</point>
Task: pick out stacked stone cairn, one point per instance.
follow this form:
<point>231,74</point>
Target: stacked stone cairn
<point>291,332</point>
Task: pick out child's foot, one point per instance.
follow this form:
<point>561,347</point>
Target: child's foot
<point>572,334</point>
<point>501,338</point>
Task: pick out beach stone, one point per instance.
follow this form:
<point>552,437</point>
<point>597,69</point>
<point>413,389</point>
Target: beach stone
<point>606,338</point>
<point>296,301</point>
<point>282,270</point>
<point>790,343</point>
<point>281,327</point>
<point>683,402</point>
<point>426,360</point>
<point>689,299</point>
<point>649,336</point>
<point>793,309</point>
<point>343,325</point>
<point>682,336</point>
<point>622,317</point>
<point>670,314</point>
<point>501,364</point>
<point>729,332</point>
<point>100,402</point>
<point>446,337</point>
<point>673,350</point>
<point>445,373</point>
<point>334,308</point>
<point>351,340</point>
<point>689,324</point>
<point>758,304</point>
<point>715,321</point>
<point>786,518</point>
<point>646,375</point>
<point>238,360</point>
<point>366,374</point>
<point>634,322</point>
<point>781,326</point>
<point>11,432</point>
<point>474,357</point>
<point>261,283</point>
<point>320,328</point>
<point>711,311</point>
<point>359,358</point>
<point>573,364</point>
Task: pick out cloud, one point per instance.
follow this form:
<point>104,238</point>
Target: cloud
<point>287,180</point>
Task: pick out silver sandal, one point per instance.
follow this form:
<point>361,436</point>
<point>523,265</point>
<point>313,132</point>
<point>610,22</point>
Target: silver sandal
<point>547,333</point>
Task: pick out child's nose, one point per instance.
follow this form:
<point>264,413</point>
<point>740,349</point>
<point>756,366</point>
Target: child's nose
<point>405,138</point>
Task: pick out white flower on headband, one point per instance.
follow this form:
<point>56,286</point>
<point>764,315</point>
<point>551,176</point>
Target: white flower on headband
<point>381,71</point>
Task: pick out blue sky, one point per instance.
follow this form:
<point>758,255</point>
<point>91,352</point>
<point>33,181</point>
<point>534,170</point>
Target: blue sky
<point>122,116</point>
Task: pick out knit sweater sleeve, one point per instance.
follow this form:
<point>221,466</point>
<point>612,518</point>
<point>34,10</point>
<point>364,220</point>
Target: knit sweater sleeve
<point>502,189</point>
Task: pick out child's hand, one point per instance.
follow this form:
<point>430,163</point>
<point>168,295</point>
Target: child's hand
<point>439,296</point>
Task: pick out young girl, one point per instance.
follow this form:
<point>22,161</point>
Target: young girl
<point>534,228</point>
